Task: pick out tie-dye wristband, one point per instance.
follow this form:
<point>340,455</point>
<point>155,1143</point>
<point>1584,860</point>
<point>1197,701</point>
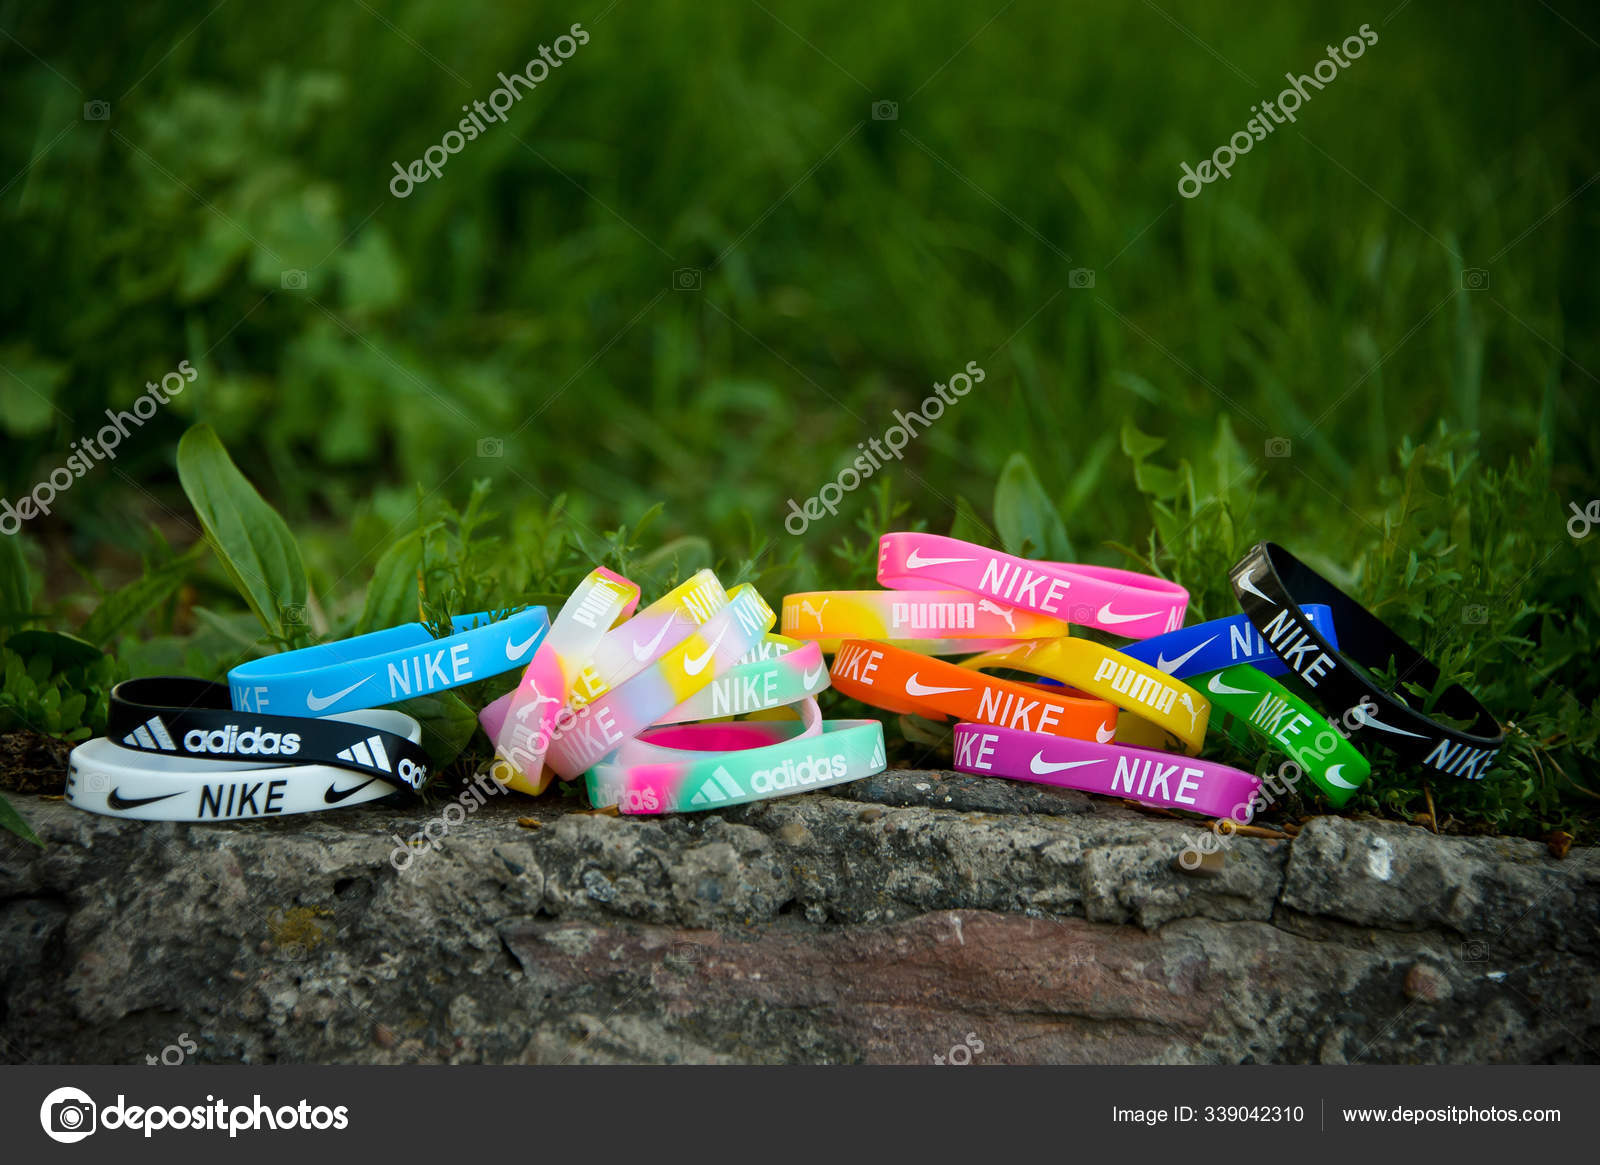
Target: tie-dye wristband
<point>845,750</point>
<point>1145,775</point>
<point>757,685</point>
<point>520,722</point>
<point>627,650</point>
<point>898,615</point>
<point>1255,707</point>
<point>584,735</point>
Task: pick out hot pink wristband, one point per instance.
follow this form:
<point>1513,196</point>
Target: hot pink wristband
<point>1146,775</point>
<point>1135,606</point>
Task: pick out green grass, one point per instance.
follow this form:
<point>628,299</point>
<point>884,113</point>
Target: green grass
<point>847,264</point>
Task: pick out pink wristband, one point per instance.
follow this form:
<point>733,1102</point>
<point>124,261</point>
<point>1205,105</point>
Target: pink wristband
<point>520,722</point>
<point>1135,606</point>
<point>1147,775</point>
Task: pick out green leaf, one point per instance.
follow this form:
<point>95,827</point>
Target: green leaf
<point>392,594</point>
<point>123,608</point>
<point>11,820</point>
<point>447,724</point>
<point>1024,516</point>
<point>253,543</point>
<point>16,599</point>
<point>48,651</point>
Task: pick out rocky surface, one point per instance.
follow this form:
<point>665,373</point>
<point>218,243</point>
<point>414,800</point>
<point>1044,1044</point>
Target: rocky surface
<point>914,916</point>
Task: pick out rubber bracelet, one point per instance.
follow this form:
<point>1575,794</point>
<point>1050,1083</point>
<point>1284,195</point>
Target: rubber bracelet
<point>1220,643</point>
<point>1255,707</point>
<point>182,716</point>
<point>1107,674</point>
<point>385,667</point>
<point>583,736</point>
<point>627,650</point>
<point>117,782</point>
<point>1272,583</point>
<point>845,750</point>
<point>756,686</point>
<point>939,647</point>
<point>520,722</point>
<point>1135,606</point>
<point>662,742</point>
<point>889,677</point>
<point>895,615</point>
<point>1146,775</point>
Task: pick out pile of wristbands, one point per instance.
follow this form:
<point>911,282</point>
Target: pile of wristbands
<point>692,703</point>
<point>645,705</point>
<point>1130,721</point>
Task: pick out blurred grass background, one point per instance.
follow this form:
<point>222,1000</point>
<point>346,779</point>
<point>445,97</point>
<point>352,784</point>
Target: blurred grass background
<point>527,295</point>
<point>521,318</point>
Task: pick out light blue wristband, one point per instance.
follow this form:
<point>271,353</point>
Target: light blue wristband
<point>385,667</point>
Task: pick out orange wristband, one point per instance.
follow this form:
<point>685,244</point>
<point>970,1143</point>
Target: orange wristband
<point>903,681</point>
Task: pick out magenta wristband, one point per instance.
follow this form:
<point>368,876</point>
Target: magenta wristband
<point>1148,775</point>
<point>1135,606</point>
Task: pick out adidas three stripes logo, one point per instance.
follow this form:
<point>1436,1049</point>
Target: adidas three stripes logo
<point>152,734</point>
<point>369,753</point>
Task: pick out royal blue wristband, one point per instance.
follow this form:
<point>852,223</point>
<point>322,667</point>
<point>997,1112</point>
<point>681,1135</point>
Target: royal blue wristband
<point>385,667</point>
<point>1208,647</point>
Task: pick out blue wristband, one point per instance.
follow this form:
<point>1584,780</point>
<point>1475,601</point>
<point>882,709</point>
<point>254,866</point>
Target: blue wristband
<point>1221,643</point>
<point>385,667</point>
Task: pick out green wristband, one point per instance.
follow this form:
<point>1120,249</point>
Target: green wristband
<point>1254,706</point>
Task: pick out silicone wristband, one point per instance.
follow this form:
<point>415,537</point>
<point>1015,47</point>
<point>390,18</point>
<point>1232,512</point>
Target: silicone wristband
<point>117,782</point>
<point>1146,775</point>
<point>626,651</point>
<point>182,716</point>
<point>583,736</point>
<point>1135,606</point>
<point>385,667</point>
<point>520,722</point>
<point>757,685</point>
<point>902,681</point>
<point>1209,647</point>
<point>1271,583</point>
<point>896,615</point>
<point>1107,674</point>
<point>939,647</point>
<point>663,742</point>
<point>1255,707</point>
<point>845,750</point>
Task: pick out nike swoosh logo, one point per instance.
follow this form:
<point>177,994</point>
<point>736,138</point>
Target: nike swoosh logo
<point>1335,779</point>
<point>117,801</point>
<point>641,654</point>
<point>1247,583</point>
<point>915,561</point>
<point>515,651</point>
<point>1041,767</point>
<point>334,795</point>
<point>913,688</point>
<point>1104,733</point>
<point>1217,687</point>
<point>1107,615</point>
<point>694,665</point>
<point>1366,719</point>
<point>317,703</point>
<point>1171,665</point>
<point>810,678</point>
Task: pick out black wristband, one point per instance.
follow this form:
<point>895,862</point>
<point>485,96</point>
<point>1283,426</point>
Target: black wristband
<point>1272,585</point>
<point>189,717</point>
